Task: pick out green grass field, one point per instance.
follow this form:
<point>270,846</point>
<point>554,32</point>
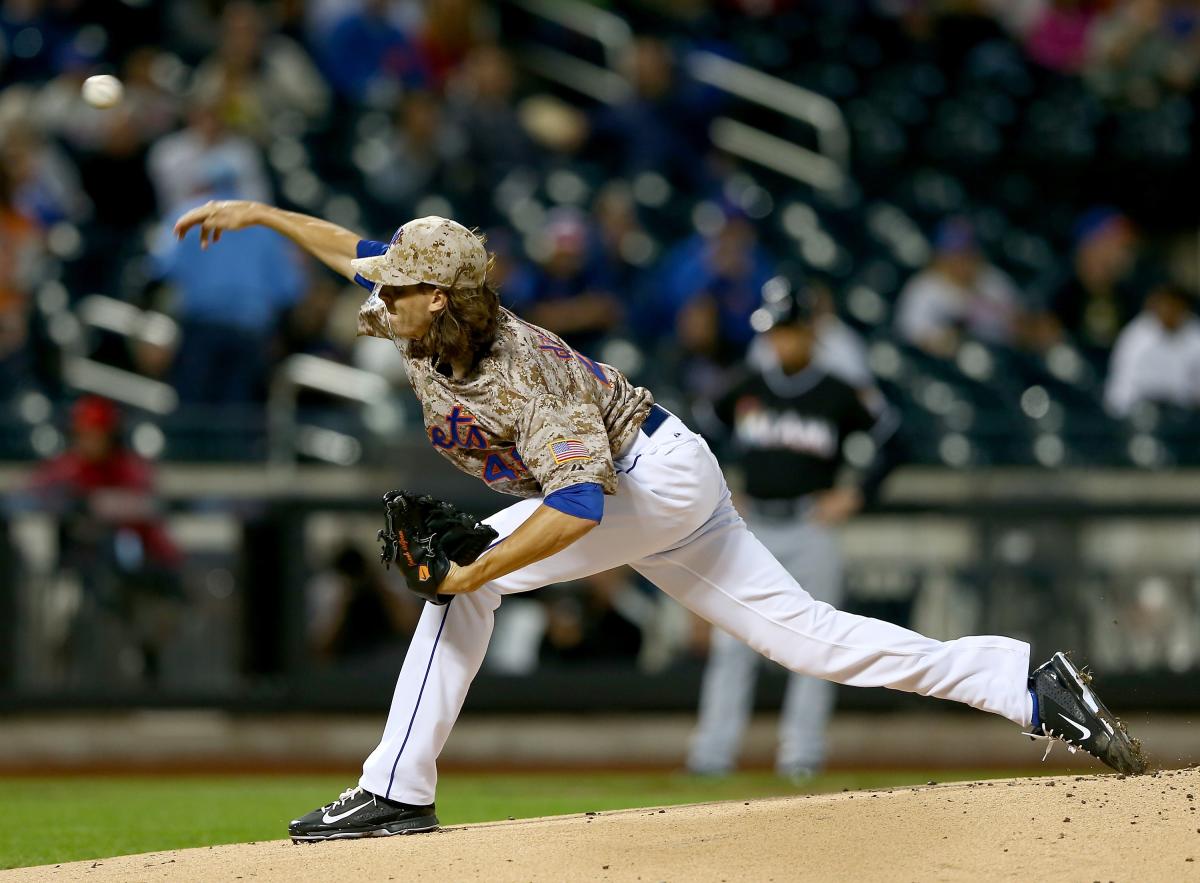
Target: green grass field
<point>65,819</point>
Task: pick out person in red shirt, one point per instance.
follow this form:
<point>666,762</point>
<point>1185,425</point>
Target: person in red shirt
<point>112,538</point>
<point>20,255</point>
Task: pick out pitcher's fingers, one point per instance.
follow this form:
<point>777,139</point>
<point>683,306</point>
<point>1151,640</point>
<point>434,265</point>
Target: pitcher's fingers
<point>190,219</point>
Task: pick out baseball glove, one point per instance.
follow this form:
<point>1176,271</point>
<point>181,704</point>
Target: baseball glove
<point>422,535</point>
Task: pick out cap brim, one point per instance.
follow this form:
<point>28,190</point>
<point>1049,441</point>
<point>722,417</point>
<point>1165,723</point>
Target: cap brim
<point>377,269</point>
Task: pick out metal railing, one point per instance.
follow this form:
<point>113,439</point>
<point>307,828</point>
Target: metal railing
<point>287,437</point>
<point>607,28</point>
<point>602,83</point>
<point>98,312</point>
<point>824,168</point>
<point>576,74</point>
<point>775,153</point>
<point>803,105</point>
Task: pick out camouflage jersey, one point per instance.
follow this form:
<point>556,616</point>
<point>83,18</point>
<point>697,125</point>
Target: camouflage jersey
<point>534,416</point>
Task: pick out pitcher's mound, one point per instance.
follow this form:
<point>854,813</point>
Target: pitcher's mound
<point>1064,828</point>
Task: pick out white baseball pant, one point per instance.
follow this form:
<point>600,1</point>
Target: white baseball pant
<point>809,552</point>
<point>672,520</point>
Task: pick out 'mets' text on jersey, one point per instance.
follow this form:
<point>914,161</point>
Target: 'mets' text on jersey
<point>789,429</point>
<point>534,416</point>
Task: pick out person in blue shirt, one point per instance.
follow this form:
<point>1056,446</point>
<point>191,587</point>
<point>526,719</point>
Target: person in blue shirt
<point>228,310</point>
<point>657,125</point>
<point>708,290</point>
<point>366,54</point>
<point>571,290</point>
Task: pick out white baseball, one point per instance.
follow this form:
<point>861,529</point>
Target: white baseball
<point>102,90</point>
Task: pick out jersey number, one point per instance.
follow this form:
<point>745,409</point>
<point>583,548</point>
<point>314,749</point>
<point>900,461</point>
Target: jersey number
<point>497,468</point>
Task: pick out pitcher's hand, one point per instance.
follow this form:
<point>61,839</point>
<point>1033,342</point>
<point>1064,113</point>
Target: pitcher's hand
<point>215,217</point>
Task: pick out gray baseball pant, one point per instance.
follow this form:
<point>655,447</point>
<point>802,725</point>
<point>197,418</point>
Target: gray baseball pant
<point>810,553</point>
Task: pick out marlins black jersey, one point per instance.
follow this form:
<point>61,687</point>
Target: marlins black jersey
<point>788,430</point>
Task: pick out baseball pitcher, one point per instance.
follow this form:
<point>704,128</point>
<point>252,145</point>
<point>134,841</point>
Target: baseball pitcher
<point>606,477</point>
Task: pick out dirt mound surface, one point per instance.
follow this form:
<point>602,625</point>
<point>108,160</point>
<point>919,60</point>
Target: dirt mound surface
<point>1063,828</point>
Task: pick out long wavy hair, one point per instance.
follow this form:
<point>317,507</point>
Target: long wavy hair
<point>465,330</point>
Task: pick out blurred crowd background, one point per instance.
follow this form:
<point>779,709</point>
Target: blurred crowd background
<point>994,203</point>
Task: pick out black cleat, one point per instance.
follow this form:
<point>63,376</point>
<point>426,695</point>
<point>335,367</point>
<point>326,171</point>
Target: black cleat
<point>1069,711</point>
<point>359,813</point>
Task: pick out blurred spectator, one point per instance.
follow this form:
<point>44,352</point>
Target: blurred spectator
<point>710,287</point>
<point>1096,301</point>
<point>188,163</point>
<point>33,39</point>
<point>146,111</point>
<point>1059,35</point>
<point>228,309</point>
<point>659,125</point>
<point>20,259</point>
<point>1145,47</point>
<point>480,101</point>
<point>572,295</point>
<point>45,183</point>
<point>352,611</point>
<point>628,247</point>
<point>1157,356</point>
<point>112,538</point>
<point>367,58</point>
<point>959,293</point>
<point>192,26</point>
<point>110,146</point>
<point>451,30</point>
<point>511,274</point>
<point>840,350</point>
<point>422,155</point>
<point>260,73</point>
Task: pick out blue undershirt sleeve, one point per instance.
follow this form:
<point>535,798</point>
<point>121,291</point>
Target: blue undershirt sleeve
<point>368,248</point>
<point>581,500</point>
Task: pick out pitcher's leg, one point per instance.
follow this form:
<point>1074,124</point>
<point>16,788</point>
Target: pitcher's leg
<point>725,575</point>
<point>450,642</point>
<point>443,658</point>
<point>726,699</point>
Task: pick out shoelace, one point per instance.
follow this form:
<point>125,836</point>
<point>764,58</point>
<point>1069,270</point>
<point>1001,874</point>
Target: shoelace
<point>1051,737</point>
<point>348,794</point>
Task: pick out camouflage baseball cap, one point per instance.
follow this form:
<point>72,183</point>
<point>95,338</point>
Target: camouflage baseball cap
<point>433,250</point>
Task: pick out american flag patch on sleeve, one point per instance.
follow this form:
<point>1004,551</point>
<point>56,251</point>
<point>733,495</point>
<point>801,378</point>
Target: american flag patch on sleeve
<point>569,449</point>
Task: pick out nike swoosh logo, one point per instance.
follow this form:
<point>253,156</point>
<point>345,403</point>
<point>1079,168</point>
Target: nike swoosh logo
<point>1084,731</point>
<point>329,820</point>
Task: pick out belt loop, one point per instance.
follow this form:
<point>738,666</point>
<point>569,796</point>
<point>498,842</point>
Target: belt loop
<point>657,416</point>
